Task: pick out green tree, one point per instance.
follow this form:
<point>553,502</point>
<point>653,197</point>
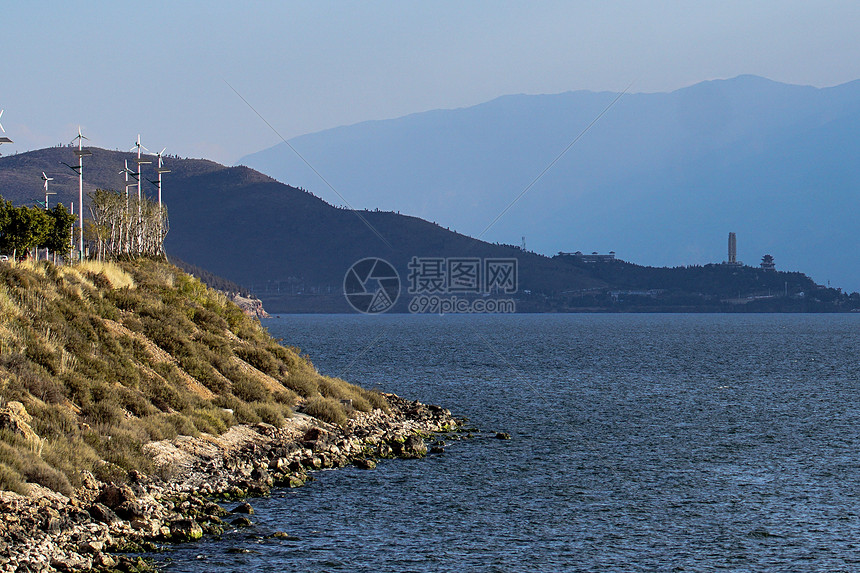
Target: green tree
<point>58,234</point>
<point>22,227</point>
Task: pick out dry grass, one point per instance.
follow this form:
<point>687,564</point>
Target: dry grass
<point>107,357</point>
<point>116,276</point>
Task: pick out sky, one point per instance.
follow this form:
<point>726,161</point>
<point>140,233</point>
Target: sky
<point>165,69</point>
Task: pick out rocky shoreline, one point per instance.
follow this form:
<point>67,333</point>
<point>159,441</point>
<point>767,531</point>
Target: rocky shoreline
<point>102,523</point>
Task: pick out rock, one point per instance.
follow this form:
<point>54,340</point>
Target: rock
<point>183,530</point>
<point>128,510</point>
<point>242,522</point>
<point>104,560</point>
<point>266,429</point>
<point>437,450</point>
<point>71,563</point>
<point>315,435</point>
<point>102,513</point>
<point>260,474</point>
<point>413,447</point>
<point>284,535</point>
<point>364,463</point>
<point>114,496</point>
<point>250,306</point>
<point>92,546</point>
<point>503,436</point>
<point>383,450</point>
<point>213,509</point>
<point>52,525</point>
<point>14,417</point>
<point>243,508</point>
<point>151,527</point>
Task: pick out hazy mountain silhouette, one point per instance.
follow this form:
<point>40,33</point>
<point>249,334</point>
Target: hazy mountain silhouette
<point>661,178</point>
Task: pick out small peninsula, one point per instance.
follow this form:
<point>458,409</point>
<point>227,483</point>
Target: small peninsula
<point>134,397</point>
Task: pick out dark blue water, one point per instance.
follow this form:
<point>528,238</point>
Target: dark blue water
<point>640,443</point>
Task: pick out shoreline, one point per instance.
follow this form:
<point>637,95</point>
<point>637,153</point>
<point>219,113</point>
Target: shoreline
<point>47,531</point>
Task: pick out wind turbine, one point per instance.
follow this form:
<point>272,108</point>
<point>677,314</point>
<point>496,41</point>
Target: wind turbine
<point>81,153</point>
<point>45,179</point>
<point>3,139</point>
<point>140,161</point>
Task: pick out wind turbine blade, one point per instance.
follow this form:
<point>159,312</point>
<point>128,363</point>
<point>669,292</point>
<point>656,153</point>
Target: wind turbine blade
<point>160,153</point>
<point>1,125</point>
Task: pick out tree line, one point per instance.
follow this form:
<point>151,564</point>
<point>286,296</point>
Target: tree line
<point>124,226</point>
<point>25,228</point>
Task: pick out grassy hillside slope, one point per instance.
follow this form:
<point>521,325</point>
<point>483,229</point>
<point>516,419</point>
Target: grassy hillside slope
<point>105,357</point>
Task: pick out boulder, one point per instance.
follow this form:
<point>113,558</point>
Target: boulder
<point>241,522</point>
<point>413,447</point>
<point>243,508</point>
<point>114,496</point>
<point>315,435</point>
<point>101,512</point>
<point>183,530</point>
<point>364,463</point>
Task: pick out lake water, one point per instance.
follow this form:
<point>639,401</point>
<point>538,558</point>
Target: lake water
<point>640,443</point>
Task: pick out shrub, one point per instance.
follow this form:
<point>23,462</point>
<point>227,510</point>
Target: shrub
<point>287,398</point>
<point>70,455</point>
<point>209,420</point>
<point>182,424</point>
<point>259,358</point>
<point>105,412</point>
<point>269,413</point>
<point>41,473</point>
<point>208,320</point>
<point>249,389</point>
<point>326,409</point>
<point>11,480</point>
<point>164,394</point>
<point>304,384</point>
<point>54,421</point>
<point>377,400</point>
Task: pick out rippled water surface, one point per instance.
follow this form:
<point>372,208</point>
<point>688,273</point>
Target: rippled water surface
<point>640,443</point>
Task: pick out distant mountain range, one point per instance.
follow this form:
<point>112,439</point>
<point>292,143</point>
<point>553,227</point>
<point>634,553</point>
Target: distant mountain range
<point>661,178</point>
<point>293,250</point>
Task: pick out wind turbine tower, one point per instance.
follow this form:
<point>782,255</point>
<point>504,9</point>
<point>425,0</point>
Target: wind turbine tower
<point>160,170</point>
<point>45,178</point>
<point>81,153</point>
<point>140,161</point>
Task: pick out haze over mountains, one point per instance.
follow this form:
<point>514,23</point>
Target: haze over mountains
<point>661,178</point>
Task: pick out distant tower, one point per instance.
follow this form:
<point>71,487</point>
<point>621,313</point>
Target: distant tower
<point>733,249</point>
<point>767,263</point>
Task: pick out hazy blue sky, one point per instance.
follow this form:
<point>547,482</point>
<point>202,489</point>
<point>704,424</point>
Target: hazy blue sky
<point>159,68</point>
